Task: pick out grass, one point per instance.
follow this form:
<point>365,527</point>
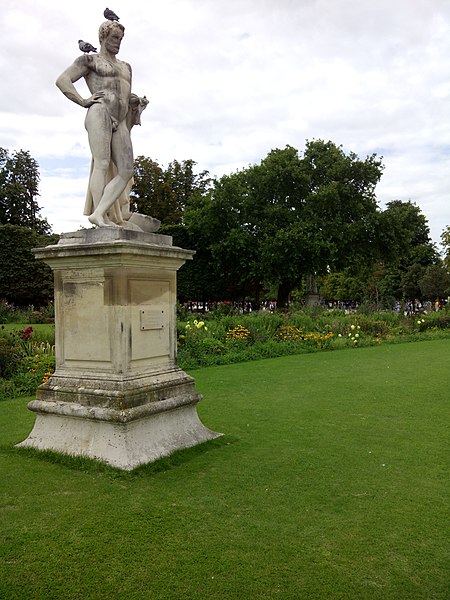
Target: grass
<point>329,483</point>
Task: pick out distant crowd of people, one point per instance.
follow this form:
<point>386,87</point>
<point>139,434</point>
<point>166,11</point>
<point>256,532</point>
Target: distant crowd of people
<point>410,307</point>
<point>416,307</point>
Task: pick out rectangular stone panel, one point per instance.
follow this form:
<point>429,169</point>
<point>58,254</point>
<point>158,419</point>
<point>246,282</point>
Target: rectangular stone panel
<point>85,322</point>
<point>150,328</point>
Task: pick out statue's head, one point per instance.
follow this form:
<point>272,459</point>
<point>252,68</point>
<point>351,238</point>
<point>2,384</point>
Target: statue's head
<point>107,27</point>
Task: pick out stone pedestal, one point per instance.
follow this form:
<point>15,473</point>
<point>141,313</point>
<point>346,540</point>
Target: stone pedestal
<point>312,299</point>
<point>117,394</point>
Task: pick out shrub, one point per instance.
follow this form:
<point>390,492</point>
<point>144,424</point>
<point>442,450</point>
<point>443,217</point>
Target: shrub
<point>5,310</point>
<point>35,370</point>
<point>26,361</point>
<point>8,389</point>
<point>10,357</point>
<point>12,314</point>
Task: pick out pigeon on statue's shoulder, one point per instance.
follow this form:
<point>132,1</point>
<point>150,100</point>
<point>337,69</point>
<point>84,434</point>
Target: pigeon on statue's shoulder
<point>86,47</point>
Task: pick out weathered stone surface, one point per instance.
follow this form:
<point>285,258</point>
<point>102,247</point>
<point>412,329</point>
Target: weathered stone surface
<point>117,393</point>
<point>112,234</point>
<point>124,445</point>
<point>112,111</point>
<point>145,222</point>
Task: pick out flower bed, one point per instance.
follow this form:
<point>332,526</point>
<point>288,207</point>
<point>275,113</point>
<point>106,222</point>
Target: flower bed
<point>27,359</point>
<point>218,339</point>
<point>27,353</point>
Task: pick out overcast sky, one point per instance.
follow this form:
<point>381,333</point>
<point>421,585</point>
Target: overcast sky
<point>229,80</point>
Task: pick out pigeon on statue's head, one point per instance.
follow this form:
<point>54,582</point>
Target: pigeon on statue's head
<point>110,15</point>
<point>86,47</point>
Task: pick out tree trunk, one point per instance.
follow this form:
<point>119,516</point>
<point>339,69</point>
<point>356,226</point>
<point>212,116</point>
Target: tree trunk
<point>284,290</point>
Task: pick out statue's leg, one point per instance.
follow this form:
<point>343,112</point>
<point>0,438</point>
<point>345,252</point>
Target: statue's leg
<point>122,156</point>
<point>125,200</point>
<point>99,127</point>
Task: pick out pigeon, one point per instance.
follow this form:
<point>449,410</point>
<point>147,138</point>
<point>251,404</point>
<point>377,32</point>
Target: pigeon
<point>86,47</point>
<point>110,15</point>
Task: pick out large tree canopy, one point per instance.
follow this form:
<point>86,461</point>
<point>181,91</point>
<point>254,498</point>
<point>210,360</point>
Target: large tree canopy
<point>404,234</point>
<point>405,249</point>
<point>289,216</point>
<point>267,228</point>
<point>405,257</point>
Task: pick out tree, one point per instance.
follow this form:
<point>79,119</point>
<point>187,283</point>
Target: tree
<point>185,183</point>
<point>164,194</point>
<point>23,279</point>
<point>217,224</point>
<point>341,203</point>
<point>342,286</point>
<point>19,184</point>
<point>405,248</point>
<point>445,239</point>
<point>435,282</point>
<point>404,235</point>
<point>289,216</point>
<point>197,279</point>
<point>410,282</point>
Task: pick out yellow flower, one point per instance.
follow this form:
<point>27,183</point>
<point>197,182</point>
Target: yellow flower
<point>352,327</point>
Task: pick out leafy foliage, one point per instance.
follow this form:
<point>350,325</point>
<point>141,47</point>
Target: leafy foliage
<point>445,239</point>
<point>25,362</point>
<point>164,193</point>
<point>289,216</point>
<point>19,184</point>
<point>270,230</point>
<point>434,282</point>
<point>23,279</point>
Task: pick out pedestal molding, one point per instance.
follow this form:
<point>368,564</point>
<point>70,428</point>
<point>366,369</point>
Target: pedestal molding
<point>79,411</point>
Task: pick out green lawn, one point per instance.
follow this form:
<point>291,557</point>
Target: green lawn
<point>329,483</point>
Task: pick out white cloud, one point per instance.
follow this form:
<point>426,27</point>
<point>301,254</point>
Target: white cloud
<point>230,80</point>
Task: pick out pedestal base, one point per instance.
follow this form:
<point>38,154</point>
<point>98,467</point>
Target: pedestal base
<point>122,439</point>
<point>117,394</point>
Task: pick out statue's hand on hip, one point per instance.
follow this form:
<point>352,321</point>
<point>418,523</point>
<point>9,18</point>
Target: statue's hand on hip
<point>94,99</point>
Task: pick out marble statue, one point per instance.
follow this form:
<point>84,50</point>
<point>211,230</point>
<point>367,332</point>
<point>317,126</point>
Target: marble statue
<point>112,110</point>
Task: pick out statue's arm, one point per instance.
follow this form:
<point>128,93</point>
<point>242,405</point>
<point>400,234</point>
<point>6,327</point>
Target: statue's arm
<point>77,70</point>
